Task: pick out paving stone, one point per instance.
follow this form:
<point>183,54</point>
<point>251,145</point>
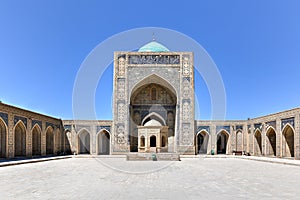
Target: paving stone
<point>191,178</point>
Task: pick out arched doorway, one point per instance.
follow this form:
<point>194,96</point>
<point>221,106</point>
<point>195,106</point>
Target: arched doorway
<point>222,140</point>
<point>271,142</point>
<point>49,141</point>
<point>239,140</point>
<point>103,143</point>
<point>153,141</point>
<point>257,143</point>
<point>2,139</point>
<point>202,142</point>
<point>20,139</point>
<point>36,141</point>
<point>142,142</point>
<point>67,139</point>
<point>288,141</point>
<point>84,142</point>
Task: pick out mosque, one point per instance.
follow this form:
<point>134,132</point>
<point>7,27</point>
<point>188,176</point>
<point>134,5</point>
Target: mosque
<point>153,112</point>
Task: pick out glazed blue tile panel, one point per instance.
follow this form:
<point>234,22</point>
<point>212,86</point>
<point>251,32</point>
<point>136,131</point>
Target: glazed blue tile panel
<point>207,128</point>
<point>4,116</point>
<point>288,121</point>
<point>23,119</point>
<point>272,124</point>
<point>67,127</point>
<point>103,127</point>
<point>34,122</point>
<point>258,126</point>
<point>49,124</point>
<point>227,128</point>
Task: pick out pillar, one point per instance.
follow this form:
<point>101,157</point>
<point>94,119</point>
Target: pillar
<point>252,140</point>
<point>28,138</point>
<point>297,137</point>
<point>278,138</point>
<point>214,138</point>
<point>231,140</point>
<point>10,145</point>
<point>263,138</point>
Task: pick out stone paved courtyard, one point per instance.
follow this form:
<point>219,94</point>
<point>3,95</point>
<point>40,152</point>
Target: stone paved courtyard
<point>192,178</point>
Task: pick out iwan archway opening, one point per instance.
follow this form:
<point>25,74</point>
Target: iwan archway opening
<point>222,142</point>
<point>84,142</point>
<point>152,109</point>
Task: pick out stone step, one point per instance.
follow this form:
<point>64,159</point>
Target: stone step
<point>153,156</point>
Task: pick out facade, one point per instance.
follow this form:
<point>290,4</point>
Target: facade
<point>153,111</point>
<point>25,133</point>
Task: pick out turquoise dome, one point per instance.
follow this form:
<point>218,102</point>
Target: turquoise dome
<point>153,47</point>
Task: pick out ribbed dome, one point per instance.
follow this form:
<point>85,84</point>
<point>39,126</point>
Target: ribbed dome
<point>153,47</point>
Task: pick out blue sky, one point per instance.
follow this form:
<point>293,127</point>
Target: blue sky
<point>255,45</point>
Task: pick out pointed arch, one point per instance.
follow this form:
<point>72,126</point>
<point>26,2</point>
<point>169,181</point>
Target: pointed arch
<point>67,139</point>
<point>239,140</point>
<point>36,140</point>
<point>154,115</point>
<point>3,138</point>
<point>20,139</point>
<point>288,133</point>
<point>84,141</point>
<point>165,102</point>
<point>270,141</point>
<point>222,142</point>
<point>202,138</point>
<point>49,140</point>
<point>257,142</point>
<point>142,142</point>
<point>153,78</point>
<point>103,142</point>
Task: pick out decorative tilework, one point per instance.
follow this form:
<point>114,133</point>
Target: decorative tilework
<point>34,122</point>
<point>49,124</point>
<point>258,126</point>
<point>239,127</point>
<point>206,128</point>
<point>18,118</point>
<point>272,124</point>
<point>227,128</point>
<point>103,127</point>
<point>4,116</point>
<point>154,59</point>
<point>68,127</point>
<point>290,121</point>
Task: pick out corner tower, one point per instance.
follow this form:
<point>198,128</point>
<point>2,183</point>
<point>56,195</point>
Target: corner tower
<point>153,101</point>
